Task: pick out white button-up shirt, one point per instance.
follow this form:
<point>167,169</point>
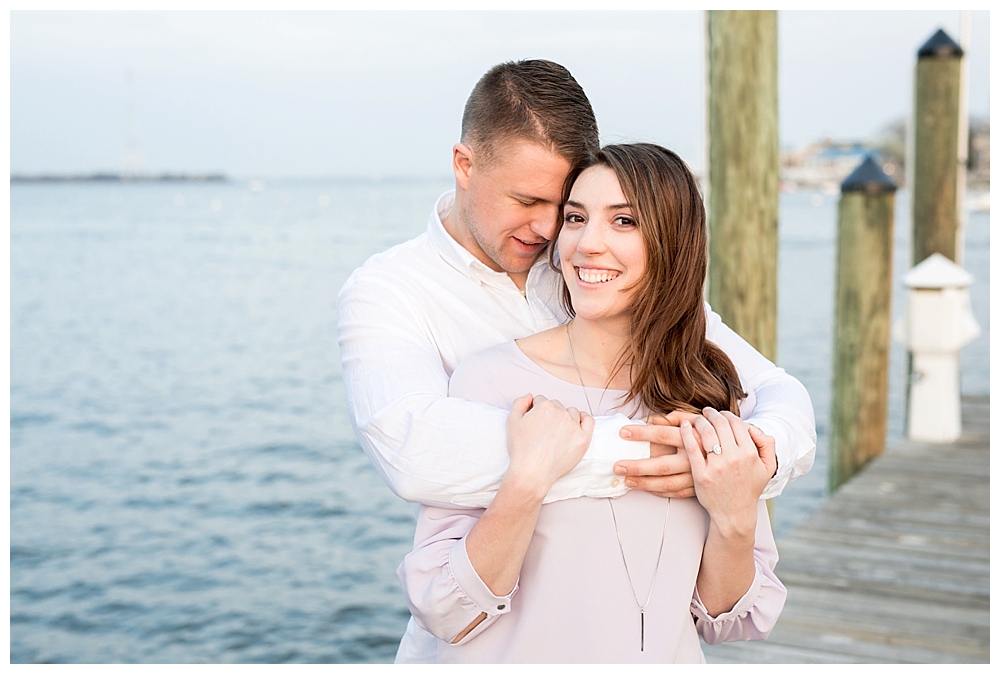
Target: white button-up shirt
<point>409,315</point>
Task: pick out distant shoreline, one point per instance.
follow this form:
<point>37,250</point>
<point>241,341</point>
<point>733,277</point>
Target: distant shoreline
<point>123,178</point>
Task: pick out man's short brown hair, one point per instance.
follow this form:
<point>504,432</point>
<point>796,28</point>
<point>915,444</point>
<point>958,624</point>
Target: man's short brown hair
<point>535,100</point>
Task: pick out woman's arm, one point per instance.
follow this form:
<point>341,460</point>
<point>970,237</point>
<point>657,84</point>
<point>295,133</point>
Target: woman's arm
<point>499,541</point>
<point>756,612</point>
<point>445,595</point>
<point>728,483</point>
<point>463,570</point>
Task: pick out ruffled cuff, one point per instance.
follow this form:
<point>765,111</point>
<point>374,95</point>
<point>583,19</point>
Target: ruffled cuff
<point>741,608</point>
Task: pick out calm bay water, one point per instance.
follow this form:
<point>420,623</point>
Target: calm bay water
<point>185,484</point>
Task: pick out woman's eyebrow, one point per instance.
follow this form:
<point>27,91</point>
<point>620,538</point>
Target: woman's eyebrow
<point>609,207</point>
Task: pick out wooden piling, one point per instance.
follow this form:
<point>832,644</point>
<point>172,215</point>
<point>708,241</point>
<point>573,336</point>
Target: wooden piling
<point>743,175</point>
<point>861,332</point>
<point>937,109</point>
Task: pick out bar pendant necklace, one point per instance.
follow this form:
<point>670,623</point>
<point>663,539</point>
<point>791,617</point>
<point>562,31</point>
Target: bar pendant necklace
<point>659,556</point>
<point>621,548</point>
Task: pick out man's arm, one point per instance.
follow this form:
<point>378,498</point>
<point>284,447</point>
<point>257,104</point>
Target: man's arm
<point>782,409</point>
<point>430,448</point>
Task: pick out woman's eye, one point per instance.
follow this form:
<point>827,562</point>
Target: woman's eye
<point>573,218</point>
<point>625,221</point>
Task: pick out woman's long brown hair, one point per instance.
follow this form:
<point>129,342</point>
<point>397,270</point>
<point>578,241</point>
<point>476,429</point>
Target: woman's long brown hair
<point>673,366</point>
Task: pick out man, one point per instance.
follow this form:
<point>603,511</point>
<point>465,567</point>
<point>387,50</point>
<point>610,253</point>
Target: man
<point>479,277</point>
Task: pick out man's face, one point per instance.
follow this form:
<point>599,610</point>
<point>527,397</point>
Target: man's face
<point>511,205</point>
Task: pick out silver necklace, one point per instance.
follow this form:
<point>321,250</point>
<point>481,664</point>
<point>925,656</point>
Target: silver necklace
<point>621,548</point>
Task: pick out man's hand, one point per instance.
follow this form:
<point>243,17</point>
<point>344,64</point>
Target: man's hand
<point>765,444</point>
<point>667,471</point>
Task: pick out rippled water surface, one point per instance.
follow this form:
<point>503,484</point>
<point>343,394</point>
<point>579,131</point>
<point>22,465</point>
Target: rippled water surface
<point>185,484</point>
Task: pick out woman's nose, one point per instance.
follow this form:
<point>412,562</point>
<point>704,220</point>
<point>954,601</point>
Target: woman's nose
<point>591,238</point>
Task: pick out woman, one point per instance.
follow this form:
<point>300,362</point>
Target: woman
<point>638,578</point>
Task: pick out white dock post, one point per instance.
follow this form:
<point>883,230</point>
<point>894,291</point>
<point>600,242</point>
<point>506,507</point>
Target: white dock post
<point>937,324</point>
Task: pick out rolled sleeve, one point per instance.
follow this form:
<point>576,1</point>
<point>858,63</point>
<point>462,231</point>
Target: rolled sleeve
<point>443,590</point>
<point>476,592</point>
<point>594,475</point>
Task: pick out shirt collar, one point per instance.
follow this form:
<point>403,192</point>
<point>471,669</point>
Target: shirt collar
<point>450,250</point>
<point>456,255</point>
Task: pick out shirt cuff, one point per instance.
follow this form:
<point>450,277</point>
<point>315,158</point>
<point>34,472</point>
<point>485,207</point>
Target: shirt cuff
<point>473,586</point>
<point>740,609</point>
<point>594,475</point>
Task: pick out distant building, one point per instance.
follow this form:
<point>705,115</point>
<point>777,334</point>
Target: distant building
<point>824,165</point>
<point>979,153</point>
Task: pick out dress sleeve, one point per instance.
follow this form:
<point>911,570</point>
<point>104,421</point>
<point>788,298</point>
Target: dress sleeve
<point>757,611</point>
<point>417,437</point>
<point>445,594</point>
<point>781,408</point>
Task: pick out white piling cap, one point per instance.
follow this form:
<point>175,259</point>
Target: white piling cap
<point>937,271</point>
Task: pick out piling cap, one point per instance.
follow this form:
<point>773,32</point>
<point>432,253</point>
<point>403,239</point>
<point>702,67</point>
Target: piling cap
<point>868,177</point>
<point>939,45</point>
<point>937,272</point>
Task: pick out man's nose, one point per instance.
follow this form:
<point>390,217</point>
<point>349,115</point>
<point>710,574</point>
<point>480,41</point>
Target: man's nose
<point>545,223</point>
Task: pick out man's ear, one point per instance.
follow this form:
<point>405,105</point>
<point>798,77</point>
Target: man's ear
<point>461,164</point>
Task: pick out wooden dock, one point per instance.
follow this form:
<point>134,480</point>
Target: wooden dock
<point>895,567</point>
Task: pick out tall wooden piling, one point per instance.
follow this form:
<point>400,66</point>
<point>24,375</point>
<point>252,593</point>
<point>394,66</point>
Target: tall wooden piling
<point>937,109</point>
<point>861,332</point>
<point>743,175</point>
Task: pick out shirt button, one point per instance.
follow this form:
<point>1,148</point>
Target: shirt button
<point>615,482</point>
<point>501,607</point>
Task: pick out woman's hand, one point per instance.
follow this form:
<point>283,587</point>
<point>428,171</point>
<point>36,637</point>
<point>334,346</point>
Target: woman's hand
<point>545,440</point>
<point>728,484</point>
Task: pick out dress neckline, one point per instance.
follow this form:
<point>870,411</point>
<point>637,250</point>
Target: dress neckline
<point>535,366</point>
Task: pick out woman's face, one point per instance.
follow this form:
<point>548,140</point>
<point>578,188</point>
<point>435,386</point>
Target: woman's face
<point>600,247</point>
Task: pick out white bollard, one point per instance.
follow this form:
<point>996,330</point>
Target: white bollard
<point>937,324</point>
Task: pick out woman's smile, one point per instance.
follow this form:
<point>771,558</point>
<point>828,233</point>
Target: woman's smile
<point>590,276</point>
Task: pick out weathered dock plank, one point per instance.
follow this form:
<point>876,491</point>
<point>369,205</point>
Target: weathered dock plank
<point>895,567</point>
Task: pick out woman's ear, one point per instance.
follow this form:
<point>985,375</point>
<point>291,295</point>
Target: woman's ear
<point>461,164</point>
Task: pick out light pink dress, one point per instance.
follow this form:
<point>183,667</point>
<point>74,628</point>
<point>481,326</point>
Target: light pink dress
<point>573,601</point>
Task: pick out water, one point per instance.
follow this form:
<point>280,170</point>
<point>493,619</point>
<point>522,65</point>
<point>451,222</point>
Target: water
<point>185,485</point>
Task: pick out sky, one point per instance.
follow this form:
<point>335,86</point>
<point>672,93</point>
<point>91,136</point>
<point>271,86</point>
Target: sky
<point>345,93</point>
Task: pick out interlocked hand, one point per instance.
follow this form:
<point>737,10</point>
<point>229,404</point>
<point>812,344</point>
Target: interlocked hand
<point>728,483</point>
